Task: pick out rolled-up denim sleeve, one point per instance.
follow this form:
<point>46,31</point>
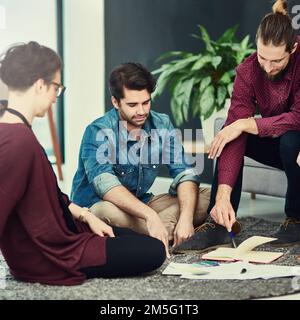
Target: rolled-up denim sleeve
<point>179,168</point>
<point>186,175</point>
<point>98,156</point>
<point>104,182</point>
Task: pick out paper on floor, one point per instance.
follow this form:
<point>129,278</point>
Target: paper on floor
<point>230,271</point>
<point>234,271</point>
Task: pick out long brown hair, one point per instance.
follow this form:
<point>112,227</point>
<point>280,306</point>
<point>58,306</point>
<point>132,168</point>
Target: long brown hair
<point>277,27</point>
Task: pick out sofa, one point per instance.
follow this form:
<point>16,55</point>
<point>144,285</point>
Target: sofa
<point>259,178</point>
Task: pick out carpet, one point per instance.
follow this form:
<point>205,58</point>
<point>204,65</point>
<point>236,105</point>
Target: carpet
<point>157,287</point>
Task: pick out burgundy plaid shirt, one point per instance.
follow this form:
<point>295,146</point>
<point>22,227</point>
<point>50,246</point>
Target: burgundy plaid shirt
<point>278,103</point>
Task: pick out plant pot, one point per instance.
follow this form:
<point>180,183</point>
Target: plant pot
<point>208,124</point>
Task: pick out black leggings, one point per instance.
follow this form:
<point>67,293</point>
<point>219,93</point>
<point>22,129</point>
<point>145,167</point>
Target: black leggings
<point>128,254</point>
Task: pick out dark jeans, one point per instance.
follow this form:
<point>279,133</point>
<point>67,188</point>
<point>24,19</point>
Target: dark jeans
<point>279,153</point>
<point>128,254</point>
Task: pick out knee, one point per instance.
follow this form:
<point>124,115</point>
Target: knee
<point>156,253</point>
<point>289,146</point>
<point>104,209</point>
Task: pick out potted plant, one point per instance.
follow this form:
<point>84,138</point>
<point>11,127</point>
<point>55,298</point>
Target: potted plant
<point>201,82</point>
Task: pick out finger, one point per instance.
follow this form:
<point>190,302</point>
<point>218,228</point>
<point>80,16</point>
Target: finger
<point>225,215</point>
<point>232,217</point>
<point>217,147</point>
<point>175,242</point>
<point>111,233</point>
<point>214,147</point>
<point>181,239</point>
<point>220,217</point>
<point>221,147</point>
<point>167,251</point>
<point>165,241</point>
<point>100,233</point>
<point>213,214</point>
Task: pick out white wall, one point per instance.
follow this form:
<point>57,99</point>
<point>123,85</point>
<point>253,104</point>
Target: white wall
<point>29,20</point>
<point>84,72</point>
<point>25,21</point>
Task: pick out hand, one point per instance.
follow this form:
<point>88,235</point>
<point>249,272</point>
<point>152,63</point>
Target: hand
<point>98,226</point>
<point>223,213</point>
<point>183,231</point>
<point>298,159</point>
<point>157,230</point>
<point>226,135</point>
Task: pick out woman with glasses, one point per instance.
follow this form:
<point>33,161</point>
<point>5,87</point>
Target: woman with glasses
<point>43,236</point>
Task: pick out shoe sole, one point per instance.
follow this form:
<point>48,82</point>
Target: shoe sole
<point>226,245</point>
<point>285,245</point>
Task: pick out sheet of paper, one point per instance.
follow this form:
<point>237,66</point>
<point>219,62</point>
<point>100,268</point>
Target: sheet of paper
<point>175,268</point>
<point>234,271</point>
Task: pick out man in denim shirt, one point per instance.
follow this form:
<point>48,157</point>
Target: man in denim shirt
<point>119,159</point>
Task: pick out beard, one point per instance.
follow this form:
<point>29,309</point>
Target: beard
<point>275,77</point>
<point>132,121</point>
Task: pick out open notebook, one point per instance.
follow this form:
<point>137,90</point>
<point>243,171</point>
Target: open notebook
<point>245,252</point>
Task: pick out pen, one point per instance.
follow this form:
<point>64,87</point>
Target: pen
<point>231,234</point>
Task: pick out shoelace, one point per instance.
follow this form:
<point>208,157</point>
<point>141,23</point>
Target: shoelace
<point>205,226</point>
<point>289,221</point>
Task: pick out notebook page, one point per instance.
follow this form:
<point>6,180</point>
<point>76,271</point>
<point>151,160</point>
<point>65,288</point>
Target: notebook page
<point>252,243</point>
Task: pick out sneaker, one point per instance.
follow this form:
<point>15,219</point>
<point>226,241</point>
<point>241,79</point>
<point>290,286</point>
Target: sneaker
<point>288,233</point>
<point>208,236</point>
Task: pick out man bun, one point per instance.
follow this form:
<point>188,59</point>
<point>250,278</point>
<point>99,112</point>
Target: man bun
<point>280,7</point>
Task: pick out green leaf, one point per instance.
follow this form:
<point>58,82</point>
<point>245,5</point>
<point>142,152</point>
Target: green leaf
<point>230,89</point>
<point>186,88</point>
<point>244,43</point>
<point>181,64</point>
<point>168,74</point>
<point>175,85</point>
<point>221,95</point>
<point>216,61</point>
<point>176,111</point>
<point>206,39</point>
<point>201,63</point>
<point>228,35</point>
<point>207,102</point>
<point>226,78</point>
<point>236,47</point>
<point>172,54</point>
<point>195,104</point>
<point>204,83</point>
<point>162,81</point>
<point>164,67</point>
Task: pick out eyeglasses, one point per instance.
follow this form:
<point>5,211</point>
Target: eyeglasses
<point>60,89</point>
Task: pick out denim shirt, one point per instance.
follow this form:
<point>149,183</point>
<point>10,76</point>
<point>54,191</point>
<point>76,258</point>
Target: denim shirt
<point>108,158</point>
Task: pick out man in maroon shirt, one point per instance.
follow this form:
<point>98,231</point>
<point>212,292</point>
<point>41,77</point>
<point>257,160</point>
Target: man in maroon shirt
<point>268,81</point>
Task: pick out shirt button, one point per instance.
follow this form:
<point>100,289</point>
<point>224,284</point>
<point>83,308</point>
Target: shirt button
<point>140,188</point>
<point>123,173</point>
<point>154,167</point>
